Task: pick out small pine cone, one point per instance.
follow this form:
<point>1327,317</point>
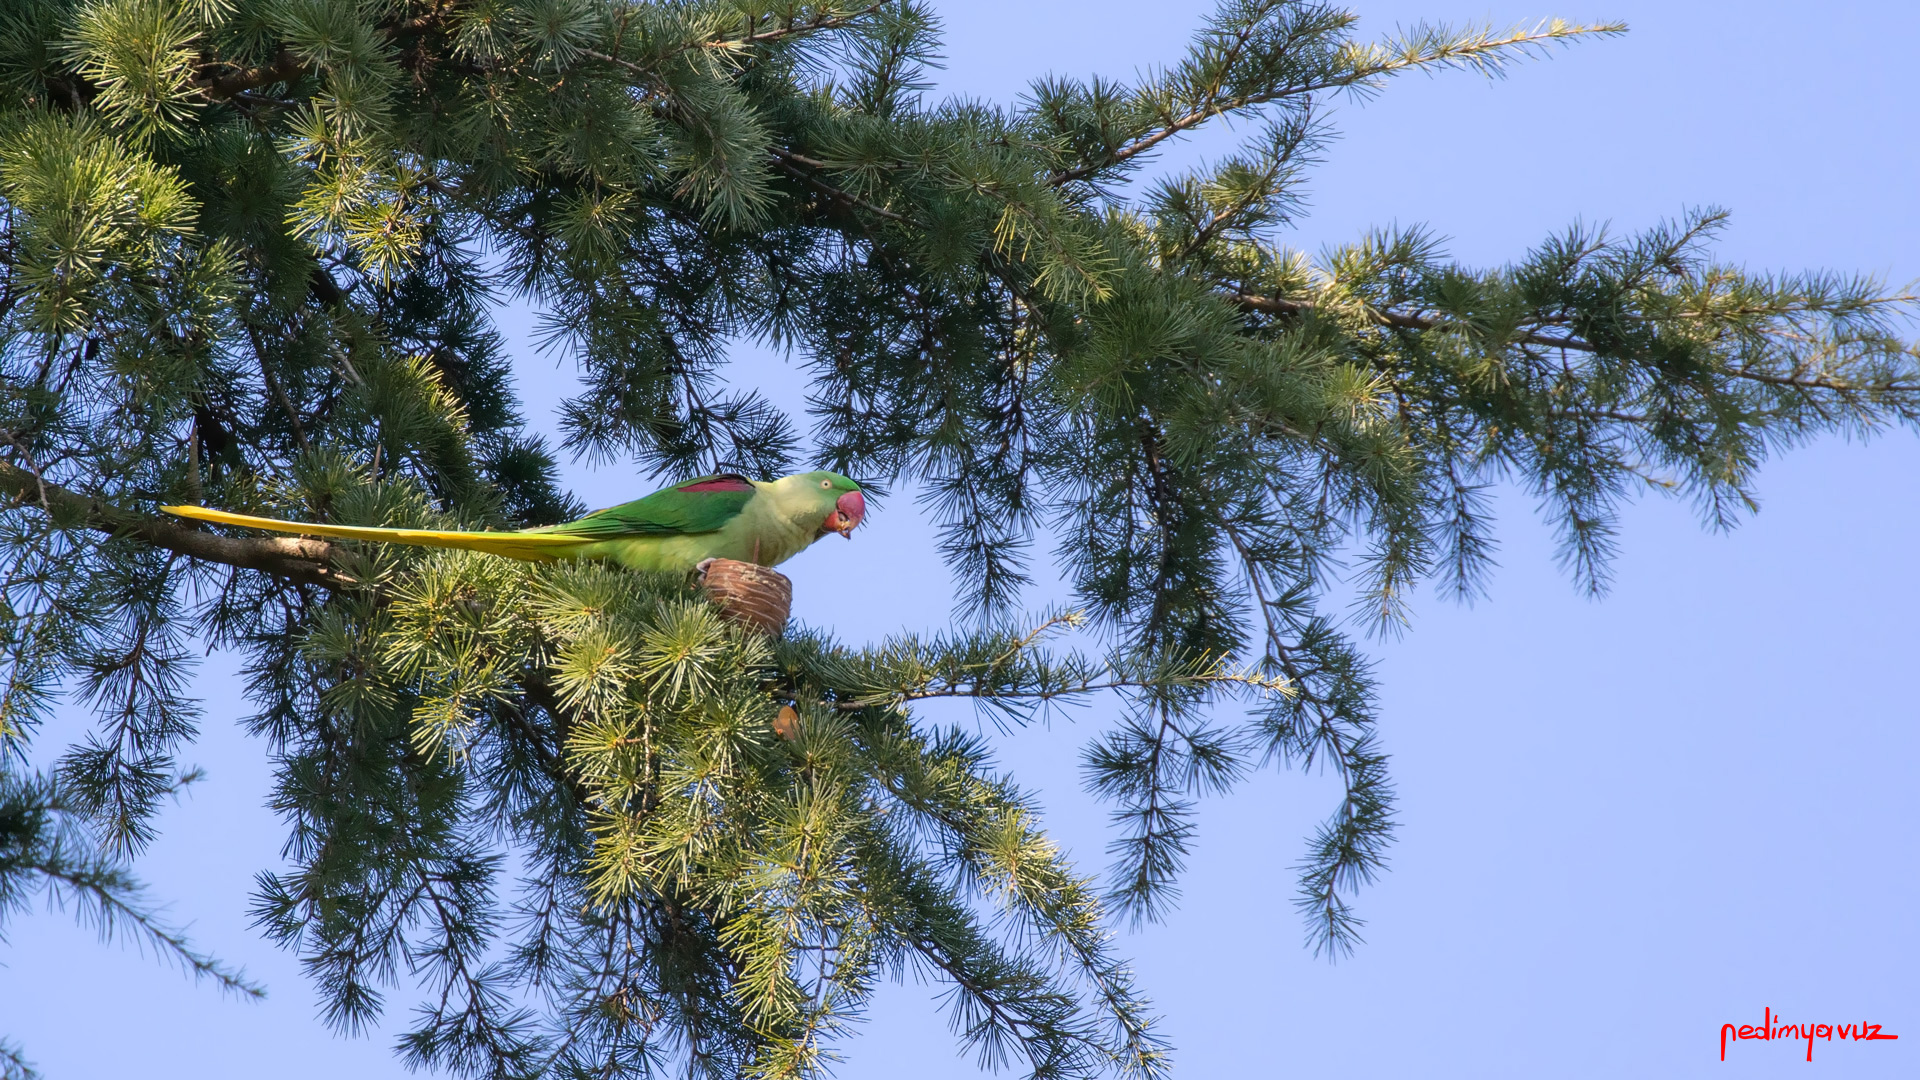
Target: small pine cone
<point>749,595</point>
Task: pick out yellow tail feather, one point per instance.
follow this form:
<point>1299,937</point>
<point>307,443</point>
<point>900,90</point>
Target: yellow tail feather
<point>531,547</point>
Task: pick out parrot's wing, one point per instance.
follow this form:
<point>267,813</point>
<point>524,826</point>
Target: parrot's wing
<point>702,505</point>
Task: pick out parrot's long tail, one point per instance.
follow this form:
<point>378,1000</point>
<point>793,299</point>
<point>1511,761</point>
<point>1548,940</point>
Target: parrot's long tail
<point>533,547</point>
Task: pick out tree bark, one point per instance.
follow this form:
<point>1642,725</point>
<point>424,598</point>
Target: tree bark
<point>298,559</point>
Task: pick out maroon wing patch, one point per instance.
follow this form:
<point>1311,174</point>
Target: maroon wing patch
<point>723,482</point>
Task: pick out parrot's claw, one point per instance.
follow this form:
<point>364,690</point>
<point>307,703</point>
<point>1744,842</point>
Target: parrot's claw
<point>701,567</point>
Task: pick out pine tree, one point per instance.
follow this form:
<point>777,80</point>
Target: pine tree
<point>253,250</point>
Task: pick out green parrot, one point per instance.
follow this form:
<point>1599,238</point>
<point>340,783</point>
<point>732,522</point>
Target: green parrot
<point>723,516</point>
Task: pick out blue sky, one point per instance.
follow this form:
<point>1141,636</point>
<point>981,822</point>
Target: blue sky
<point>1626,822</point>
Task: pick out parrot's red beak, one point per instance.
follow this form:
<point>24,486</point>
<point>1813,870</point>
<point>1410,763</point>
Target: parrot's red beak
<point>848,511</point>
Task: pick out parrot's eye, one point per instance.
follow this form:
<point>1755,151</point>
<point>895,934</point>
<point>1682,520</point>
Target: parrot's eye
<point>826,483</point>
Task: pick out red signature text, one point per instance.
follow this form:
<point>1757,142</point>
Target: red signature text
<point>1771,1028</point>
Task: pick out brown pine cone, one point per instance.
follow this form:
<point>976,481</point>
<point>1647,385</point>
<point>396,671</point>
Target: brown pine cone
<point>750,595</point>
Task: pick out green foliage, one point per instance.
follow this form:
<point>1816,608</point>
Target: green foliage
<point>14,1064</point>
<point>781,879</point>
<point>252,249</point>
<point>47,847</point>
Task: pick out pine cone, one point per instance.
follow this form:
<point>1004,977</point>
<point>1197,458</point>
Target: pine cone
<point>750,595</point>
<point>787,724</point>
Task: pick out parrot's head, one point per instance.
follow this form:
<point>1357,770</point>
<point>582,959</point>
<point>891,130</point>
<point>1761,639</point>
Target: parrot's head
<point>834,498</point>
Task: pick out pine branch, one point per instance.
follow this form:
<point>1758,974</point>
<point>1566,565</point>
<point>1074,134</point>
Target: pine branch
<point>1407,320</point>
<point>790,28</point>
<point>111,898</point>
<point>808,171</point>
<point>286,67</point>
<point>42,839</point>
<point>14,1064</point>
<point>297,559</point>
<point>1399,320</point>
<point>1801,380</point>
<point>1363,67</point>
